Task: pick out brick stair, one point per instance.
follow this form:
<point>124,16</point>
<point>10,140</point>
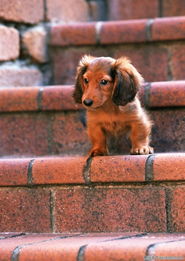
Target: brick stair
<point>60,206</point>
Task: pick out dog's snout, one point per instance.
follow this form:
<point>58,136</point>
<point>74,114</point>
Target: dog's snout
<point>88,102</point>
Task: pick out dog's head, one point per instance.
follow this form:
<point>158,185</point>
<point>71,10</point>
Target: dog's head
<point>104,79</point>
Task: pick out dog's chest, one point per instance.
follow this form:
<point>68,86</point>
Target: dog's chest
<point>112,126</point>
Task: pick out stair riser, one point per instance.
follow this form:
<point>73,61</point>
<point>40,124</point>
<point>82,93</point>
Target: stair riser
<point>41,133</point>
<point>155,61</point>
<point>93,209</point>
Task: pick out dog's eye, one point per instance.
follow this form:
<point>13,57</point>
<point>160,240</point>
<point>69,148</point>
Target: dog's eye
<point>86,80</point>
<point>104,82</point>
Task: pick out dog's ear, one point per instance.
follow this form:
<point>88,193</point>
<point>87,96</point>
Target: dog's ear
<point>127,81</point>
<point>81,69</point>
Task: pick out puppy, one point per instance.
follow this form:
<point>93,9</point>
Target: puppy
<point>108,88</point>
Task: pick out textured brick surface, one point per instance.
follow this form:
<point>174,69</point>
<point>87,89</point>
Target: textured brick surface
<point>58,170</point>
<point>177,209</point>
<point>23,134</point>
<point>69,134</point>
<point>167,135</point>
<point>16,75</point>
<point>35,43</point>
<point>123,10</point>
<point>61,10</point>
<point>73,34</point>
<point>25,210</point>
<point>118,169</point>
<point>7,50</point>
<point>178,61</point>
<point>168,28</point>
<point>110,209</point>
<point>18,99</point>
<point>123,31</point>
<point>173,8</point>
<point>167,94</point>
<point>22,10</point>
<point>13,172</point>
<point>169,166</point>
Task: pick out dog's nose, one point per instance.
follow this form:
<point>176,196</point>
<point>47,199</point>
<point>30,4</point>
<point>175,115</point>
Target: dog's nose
<point>88,102</point>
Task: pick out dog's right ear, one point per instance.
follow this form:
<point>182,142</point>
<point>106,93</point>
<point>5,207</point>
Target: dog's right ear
<point>81,69</point>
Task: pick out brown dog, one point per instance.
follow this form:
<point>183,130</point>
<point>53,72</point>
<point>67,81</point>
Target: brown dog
<point>108,88</point>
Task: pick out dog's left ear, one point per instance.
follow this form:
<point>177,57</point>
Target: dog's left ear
<point>127,81</point>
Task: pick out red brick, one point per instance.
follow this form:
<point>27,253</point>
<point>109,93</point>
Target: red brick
<point>22,11</point>
<point>25,210</point>
<point>167,132</point>
<point>123,10</point>
<point>178,209</point>
<point>169,166</point>
<point>73,34</point>
<point>133,248</point>
<point>61,10</point>
<point>16,75</point>
<point>58,170</point>
<point>167,94</point>
<point>178,61</point>
<point>8,245</point>
<point>58,98</point>
<point>123,32</point>
<point>13,172</point>
<point>24,134</point>
<point>7,50</point>
<point>69,134</point>
<point>110,209</point>
<point>62,249</point>
<point>18,99</point>
<point>168,28</point>
<point>173,7</point>
<point>175,250</point>
<point>118,169</point>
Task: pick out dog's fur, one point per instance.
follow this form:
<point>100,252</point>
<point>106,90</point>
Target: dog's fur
<point>108,88</point>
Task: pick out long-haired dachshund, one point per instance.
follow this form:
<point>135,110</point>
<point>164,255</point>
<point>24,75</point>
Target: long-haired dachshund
<point>108,88</point>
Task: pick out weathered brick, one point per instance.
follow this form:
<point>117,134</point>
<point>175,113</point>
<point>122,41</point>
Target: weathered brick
<point>168,28</point>
<point>35,42</point>
<point>178,61</point>
<point>61,10</point>
<point>8,51</point>
<point>123,10</point>
<point>123,32</point>
<point>16,75</point>
<point>177,209</point>
<point>25,210</point>
<point>110,209</point>
<point>22,10</point>
<point>13,172</point>
<point>173,7</point>
<point>23,134</point>
<point>118,169</point>
<point>58,170</point>
<point>69,134</point>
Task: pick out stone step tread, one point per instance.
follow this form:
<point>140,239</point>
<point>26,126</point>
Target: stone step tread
<point>59,97</point>
<point>73,170</point>
<point>92,246</point>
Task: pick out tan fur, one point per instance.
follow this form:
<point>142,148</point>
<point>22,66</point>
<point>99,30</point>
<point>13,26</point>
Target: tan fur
<point>111,85</point>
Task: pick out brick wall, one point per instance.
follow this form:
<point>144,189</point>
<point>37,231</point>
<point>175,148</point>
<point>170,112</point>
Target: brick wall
<point>24,24</point>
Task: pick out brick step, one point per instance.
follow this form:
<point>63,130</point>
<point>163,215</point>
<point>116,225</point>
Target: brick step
<point>155,46</point>
<point>90,247</point>
<point>113,193</point>
<point>45,120</point>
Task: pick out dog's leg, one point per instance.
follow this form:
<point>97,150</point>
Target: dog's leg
<point>140,138</point>
<point>98,140</point>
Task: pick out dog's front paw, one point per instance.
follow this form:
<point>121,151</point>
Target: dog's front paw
<point>143,150</point>
<point>97,152</point>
